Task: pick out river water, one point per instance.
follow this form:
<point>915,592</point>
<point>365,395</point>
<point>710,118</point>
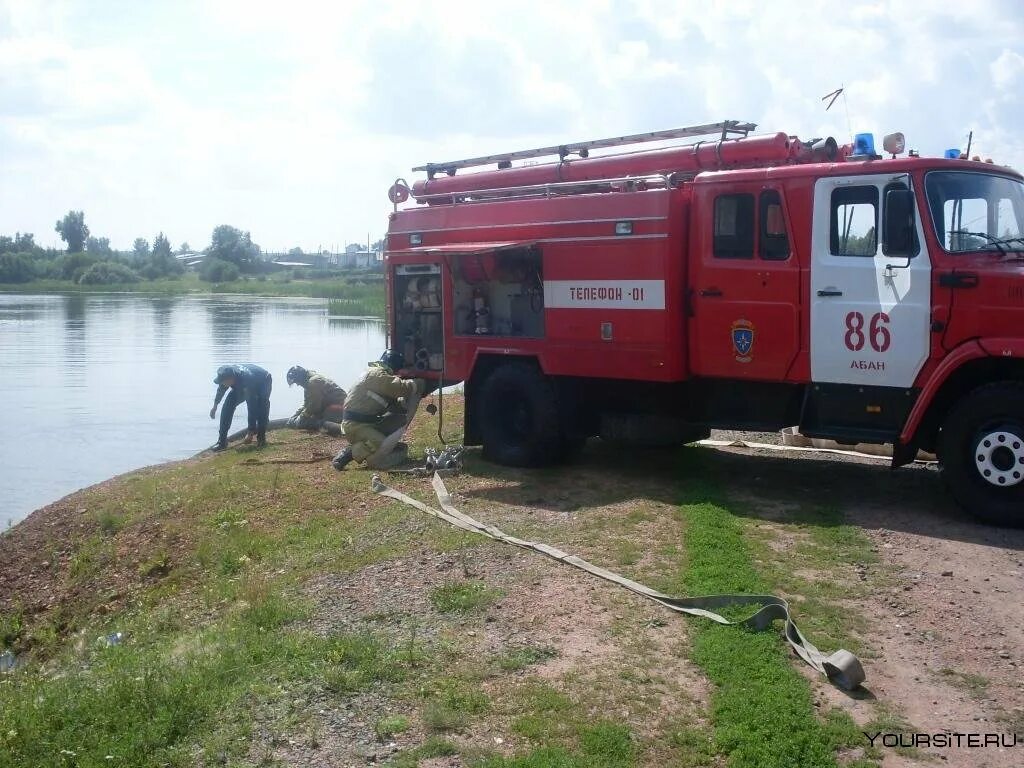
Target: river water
<point>95,385</point>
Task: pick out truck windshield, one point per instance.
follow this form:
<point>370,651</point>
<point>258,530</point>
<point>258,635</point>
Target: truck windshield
<point>976,211</point>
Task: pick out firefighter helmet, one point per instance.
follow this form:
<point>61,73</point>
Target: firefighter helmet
<point>392,359</point>
<point>297,375</point>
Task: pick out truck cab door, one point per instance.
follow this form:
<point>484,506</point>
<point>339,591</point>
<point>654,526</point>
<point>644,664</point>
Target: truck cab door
<point>870,311</point>
<point>744,295</point>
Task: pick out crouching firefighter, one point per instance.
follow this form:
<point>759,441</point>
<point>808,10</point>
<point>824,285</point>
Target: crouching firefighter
<point>373,409</point>
<point>323,399</point>
<point>249,384</point>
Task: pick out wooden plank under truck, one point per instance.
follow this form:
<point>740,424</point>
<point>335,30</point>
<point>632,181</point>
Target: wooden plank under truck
<point>738,281</point>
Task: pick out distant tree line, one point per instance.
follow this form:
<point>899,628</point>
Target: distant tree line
<point>90,260</point>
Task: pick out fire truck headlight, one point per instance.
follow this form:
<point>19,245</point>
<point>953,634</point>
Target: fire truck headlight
<point>623,227</point>
<point>894,143</point>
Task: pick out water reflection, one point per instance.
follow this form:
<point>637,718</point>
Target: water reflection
<point>19,312</point>
<point>230,326</point>
<point>96,385</point>
<point>74,332</point>
<point>163,313</point>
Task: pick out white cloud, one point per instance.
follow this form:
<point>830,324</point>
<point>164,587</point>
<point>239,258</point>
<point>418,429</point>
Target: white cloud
<point>291,120</point>
<point>1006,69</point>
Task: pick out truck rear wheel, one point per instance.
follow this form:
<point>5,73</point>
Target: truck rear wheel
<point>519,418</point>
<point>981,453</point>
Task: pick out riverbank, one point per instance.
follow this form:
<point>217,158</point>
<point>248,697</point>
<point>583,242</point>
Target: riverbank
<point>283,614</point>
<point>358,294</point>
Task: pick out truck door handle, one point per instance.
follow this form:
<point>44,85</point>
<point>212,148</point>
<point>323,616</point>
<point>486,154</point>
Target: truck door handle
<point>830,292</point>
<point>959,280</point>
<point>710,292</point>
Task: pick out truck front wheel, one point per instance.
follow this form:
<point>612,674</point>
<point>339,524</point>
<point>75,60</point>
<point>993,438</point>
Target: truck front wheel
<point>518,414</point>
<point>981,453</point>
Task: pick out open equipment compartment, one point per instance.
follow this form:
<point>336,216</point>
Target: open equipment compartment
<point>499,293</point>
<point>418,319</point>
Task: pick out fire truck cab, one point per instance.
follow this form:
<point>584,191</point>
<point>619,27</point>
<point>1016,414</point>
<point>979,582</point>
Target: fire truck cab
<point>748,282</point>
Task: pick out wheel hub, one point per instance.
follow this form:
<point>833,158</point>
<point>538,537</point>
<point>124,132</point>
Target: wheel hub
<point>999,457</point>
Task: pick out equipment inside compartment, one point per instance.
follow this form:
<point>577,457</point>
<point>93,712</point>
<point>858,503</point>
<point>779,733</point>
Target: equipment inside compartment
<point>500,294</point>
<point>494,294</point>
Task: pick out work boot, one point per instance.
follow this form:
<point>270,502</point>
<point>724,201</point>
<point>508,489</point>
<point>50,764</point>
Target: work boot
<point>261,442</point>
<point>220,445</point>
<point>342,459</point>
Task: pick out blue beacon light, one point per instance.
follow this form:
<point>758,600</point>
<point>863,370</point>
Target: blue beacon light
<point>864,144</point>
<point>952,154</point>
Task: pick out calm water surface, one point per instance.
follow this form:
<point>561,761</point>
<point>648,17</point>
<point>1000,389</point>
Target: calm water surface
<point>95,385</point>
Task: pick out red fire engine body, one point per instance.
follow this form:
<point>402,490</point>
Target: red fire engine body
<point>743,282</point>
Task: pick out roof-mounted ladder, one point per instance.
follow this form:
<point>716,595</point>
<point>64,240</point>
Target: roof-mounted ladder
<point>724,129</point>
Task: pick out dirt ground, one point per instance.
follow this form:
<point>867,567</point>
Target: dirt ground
<point>947,638</point>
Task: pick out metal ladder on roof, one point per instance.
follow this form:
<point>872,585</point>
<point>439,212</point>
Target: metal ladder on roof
<point>724,130</point>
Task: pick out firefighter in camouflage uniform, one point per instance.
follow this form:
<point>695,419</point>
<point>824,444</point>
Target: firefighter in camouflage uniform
<point>373,410</point>
<point>323,399</point>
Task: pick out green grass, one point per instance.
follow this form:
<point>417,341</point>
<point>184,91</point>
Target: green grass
<point>435,746</point>
<point>11,627</point>
<point>212,640</point>
<point>147,702</point>
<point>762,709</point>
<point>356,306</point>
<point>451,703</point>
<point>463,597</point>
<point>386,727</point>
<point>217,634</point>
<point>516,659</point>
<point>600,745</point>
<point>543,713</point>
<point>695,745</point>
<point>356,661</point>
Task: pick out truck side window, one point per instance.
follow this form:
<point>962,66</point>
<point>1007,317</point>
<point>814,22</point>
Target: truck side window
<point>774,240</point>
<point>853,228</point>
<point>734,227</point>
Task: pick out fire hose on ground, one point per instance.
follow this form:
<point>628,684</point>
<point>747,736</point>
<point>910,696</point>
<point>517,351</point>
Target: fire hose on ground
<point>842,668</point>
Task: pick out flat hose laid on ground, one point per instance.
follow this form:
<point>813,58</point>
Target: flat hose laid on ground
<point>842,668</point>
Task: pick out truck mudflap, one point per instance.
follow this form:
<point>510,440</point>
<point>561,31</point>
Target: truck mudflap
<point>842,668</point>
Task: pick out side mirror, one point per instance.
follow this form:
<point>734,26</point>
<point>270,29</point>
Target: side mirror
<point>898,228</point>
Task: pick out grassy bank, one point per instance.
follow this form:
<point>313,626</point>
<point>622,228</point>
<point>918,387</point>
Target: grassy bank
<point>282,614</point>
<point>357,294</point>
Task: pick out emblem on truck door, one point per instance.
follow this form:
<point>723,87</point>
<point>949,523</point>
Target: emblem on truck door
<point>743,340</point>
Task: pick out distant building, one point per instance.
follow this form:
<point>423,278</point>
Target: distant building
<point>191,260</point>
<point>355,259</point>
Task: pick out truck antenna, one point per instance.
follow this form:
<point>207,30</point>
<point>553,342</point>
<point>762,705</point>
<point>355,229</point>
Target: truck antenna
<point>840,91</point>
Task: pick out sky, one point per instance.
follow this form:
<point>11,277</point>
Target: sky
<point>290,120</point>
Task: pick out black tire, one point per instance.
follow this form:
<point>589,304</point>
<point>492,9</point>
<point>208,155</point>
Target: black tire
<point>981,453</point>
<point>520,420</point>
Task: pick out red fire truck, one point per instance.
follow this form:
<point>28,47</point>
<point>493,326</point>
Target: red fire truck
<point>737,281</point>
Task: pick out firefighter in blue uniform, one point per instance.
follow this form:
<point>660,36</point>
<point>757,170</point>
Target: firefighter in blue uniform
<point>247,383</point>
